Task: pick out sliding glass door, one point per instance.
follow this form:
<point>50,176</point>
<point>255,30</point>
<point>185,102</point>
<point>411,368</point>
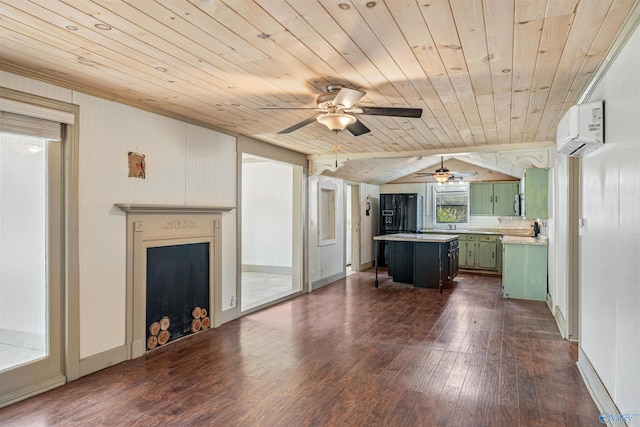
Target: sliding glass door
<point>31,252</point>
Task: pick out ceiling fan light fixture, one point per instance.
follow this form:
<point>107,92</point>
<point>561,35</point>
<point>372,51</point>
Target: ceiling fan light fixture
<point>336,121</point>
<point>442,177</point>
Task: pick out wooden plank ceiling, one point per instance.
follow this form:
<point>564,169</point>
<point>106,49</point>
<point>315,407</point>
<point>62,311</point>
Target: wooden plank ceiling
<point>486,73</point>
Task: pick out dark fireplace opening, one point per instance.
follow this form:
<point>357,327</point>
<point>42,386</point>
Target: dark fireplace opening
<point>177,292</point>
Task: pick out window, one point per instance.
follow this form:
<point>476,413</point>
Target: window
<point>327,214</point>
<point>451,205</point>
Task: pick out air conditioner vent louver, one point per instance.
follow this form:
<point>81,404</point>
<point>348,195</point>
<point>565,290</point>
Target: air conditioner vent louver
<point>581,129</point>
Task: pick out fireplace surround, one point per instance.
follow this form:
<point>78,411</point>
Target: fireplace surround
<point>166,226</point>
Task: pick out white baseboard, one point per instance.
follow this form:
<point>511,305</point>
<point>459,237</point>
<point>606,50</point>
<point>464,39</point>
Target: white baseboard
<point>609,413</point>
<point>226,316</point>
<point>32,389</point>
<point>323,282</point>
<point>562,324</point>
<point>99,361</point>
<point>273,269</point>
<point>366,265</point>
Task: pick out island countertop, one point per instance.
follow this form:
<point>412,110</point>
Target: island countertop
<point>418,238</point>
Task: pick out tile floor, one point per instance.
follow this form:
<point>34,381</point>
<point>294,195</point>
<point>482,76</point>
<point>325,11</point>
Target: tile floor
<point>261,288</point>
<point>12,356</point>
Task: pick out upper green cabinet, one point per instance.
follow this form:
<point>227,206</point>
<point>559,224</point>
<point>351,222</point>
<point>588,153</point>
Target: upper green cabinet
<point>493,198</point>
<point>535,183</point>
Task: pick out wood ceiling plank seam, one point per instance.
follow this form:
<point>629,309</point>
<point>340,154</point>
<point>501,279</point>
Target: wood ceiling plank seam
<point>230,100</point>
<point>369,44</point>
<point>316,16</point>
<point>394,40</point>
<point>555,31</point>
<point>335,29</point>
<point>378,49</point>
<point>487,111</point>
<point>499,23</point>
<point>530,10</point>
<point>527,36</point>
<point>561,7</point>
<point>469,16</point>
<point>427,134</point>
<point>447,94</point>
<point>209,77</point>
<point>468,103</point>
<point>409,16</point>
<point>154,24</point>
<point>211,34</point>
<point>114,94</point>
<point>440,21</point>
<point>589,15</point>
<point>249,12</point>
<point>55,37</point>
<point>104,14</point>
<point>613,21</point>
<point>198,112</point>
<point>300,28</point>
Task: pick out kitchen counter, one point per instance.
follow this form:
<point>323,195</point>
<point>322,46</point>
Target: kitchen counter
<point>520,240</point>
<point>486,231</point>
<point>419,238</point>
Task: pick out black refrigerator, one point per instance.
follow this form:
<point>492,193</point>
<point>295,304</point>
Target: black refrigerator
<point>399,213</point>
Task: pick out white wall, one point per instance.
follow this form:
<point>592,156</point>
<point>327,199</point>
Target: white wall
<point>267,209</point>
<point>558,234</point>
<point>610,244</point>
<point>185,165</point>
<point>368,224</point>
<point>326,263</point>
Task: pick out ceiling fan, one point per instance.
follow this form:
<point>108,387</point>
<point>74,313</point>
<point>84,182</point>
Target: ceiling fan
<point>443,174</point>
<point>336,110</point>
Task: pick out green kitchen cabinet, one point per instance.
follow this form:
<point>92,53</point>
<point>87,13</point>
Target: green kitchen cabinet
<point>535,186</point>
<point>493,198</point>
<point>486,252</point>
<point>504,196</point>
<point>467,250</point>
<point>524,271</point>
<point>481,198</point>
<point>478,252</point>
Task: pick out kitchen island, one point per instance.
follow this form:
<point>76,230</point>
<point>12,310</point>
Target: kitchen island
<point>424,260</point>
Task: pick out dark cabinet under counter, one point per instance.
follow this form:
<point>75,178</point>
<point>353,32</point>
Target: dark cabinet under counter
<point>426,261</point>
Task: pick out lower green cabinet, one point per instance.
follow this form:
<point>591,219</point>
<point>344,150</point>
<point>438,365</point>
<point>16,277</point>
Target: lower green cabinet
<point>479,252</point>
<point>524,271</point>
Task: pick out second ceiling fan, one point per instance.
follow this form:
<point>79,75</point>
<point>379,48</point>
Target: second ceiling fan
<point>442,174</point>
<point>336,110</point>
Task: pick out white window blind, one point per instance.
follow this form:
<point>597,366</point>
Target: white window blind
<point>18,124</point>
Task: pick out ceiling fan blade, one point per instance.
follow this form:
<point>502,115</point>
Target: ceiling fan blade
<point>298,125</point>
<point>396,112</point>
<point>348,97</point>
<point>463,173</point>
<point>291,108</point>
<point>358,128</point>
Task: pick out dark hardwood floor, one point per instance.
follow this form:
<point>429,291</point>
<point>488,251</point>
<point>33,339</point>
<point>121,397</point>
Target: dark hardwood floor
<point>347,354</point>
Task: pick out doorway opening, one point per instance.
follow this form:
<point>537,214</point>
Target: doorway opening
<point>271,231</point>
<point>352,233</point>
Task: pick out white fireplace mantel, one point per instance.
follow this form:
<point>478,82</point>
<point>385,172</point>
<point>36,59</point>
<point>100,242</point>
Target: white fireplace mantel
<point>148,208</point>
<point>154,225</point>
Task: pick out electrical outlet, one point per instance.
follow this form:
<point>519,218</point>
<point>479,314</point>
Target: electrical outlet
<point>233,301</point>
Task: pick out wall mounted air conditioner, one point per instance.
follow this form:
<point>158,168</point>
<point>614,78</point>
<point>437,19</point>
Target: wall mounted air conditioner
<point>581,129</point>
